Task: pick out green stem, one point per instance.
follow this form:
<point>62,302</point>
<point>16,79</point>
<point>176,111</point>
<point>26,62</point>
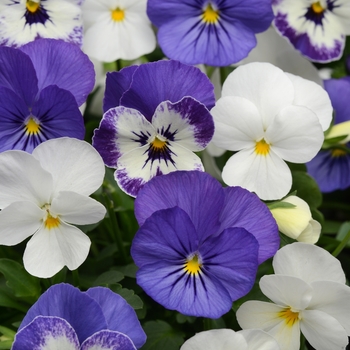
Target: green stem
<point>341,245</point>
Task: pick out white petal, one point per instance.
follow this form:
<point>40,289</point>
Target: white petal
<point>18,221</point>
<point>48,251</point>
<point>265,85</point>
<point>295,134</point>
<point>334,299</point>
<point>308,262</point>
<point>216,339</point>
<point>292,221</point>
<point>259,340</point>
<point>312,232</point>
<point>74,165</point>
<point>322,331</point>
<point>238,123</point>
<point>23,179</point>
<point>77,209</point>
<point>214,150</point>
<point>286,291</point>
<point>268,176</point>
<point>314,97</point>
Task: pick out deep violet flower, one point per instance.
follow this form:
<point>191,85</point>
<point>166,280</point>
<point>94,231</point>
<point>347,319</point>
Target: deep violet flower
<point>331,168</point>
<point>199,245</point>
<point>66,318</point>
<point>42,84</point>
<point>156,116</point>
<point>214,32</point>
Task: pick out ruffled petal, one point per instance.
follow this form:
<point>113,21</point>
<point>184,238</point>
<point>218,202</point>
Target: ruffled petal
<point>308,262</point>
<point>238,123</point>
<point>155,82</point>
<point>23,179</point>
<point>266,175</point>
<point>18,221</point>
<point>108,340</point>
<point>322,331</point>
<point>244,209</point>
<point>82,172</point>
<point>63,64</point>
<point>46,333</point>
<point>69,303</point>
<point>77,209</point>
<point>49,250</point>
<point>265,85</point>
<point>287,291</point>
<point>197,193</point>
<point>119,315</point>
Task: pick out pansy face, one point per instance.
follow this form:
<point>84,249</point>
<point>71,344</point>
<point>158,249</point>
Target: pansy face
<point>214,32</point>
<point>160,127</point>
<point>316,28</point>
<point>26,20</point>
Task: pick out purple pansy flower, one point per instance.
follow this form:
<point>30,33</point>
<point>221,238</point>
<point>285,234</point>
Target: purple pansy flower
<point>66,318</point>
<point>199,245</point>
<point>156,116</point>
<point>331,168</point>
<point>316,28</point>
<point>214,32</point>
<point>42,84</point>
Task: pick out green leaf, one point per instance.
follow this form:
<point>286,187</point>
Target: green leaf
<point>307,188</point>
<point>5,344</point>
<point>128,270</point>
<point>161,336</point>
<point>132,299</point>
<point>286,205</point>
<point>8,300</point>
<point>343,231</point>
<point>108,278</point>
<point>22,283</point>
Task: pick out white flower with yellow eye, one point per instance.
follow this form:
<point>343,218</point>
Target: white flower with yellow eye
<point>42,194</point>
<point>269,117</point>
<point>309,295</point>
<point>295,221</point>
<point>117,29</point>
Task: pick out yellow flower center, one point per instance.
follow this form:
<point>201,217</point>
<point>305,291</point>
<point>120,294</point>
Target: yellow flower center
<point>193,265</point>
<point>262,147</point>
<point>317,7</point>
<point>158,144</point>
<point>118,15</point>
<point>51,222</point>
<point>210,16</point>
<point>32,6</point>
<point>289,316</point>
<point>337,152</point>
<point>32,126</point>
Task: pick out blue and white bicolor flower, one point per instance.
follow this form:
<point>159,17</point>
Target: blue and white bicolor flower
<point>155,117</point>
<point>22,21</point>
<point>316,28</point>
<point>42,85</point>
<point>66,318</point>
<point>199,245</point>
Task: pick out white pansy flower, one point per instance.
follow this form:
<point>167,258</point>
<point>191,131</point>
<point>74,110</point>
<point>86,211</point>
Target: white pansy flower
<point>117,29</point>
<point>296,221</point>
<point>222,339</point>
<point>42,194</point>
<point>309,295</point>
<point>269,117</point>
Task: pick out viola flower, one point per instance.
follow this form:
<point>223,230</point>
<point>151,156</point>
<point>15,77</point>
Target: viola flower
<point>215,32</point>
<point>23,21</point>
<point>295,220</point>
<point>331,168</point>
<point>117,29</point>
<point>222,339</point>
<point>269,117</point>
<point>316,28</point>
<point>42,194</point>
<point>310,296</point>
<point>41,86</point>
<point>199,245</point>
<point>66,318</point>
<point>156,116</point>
